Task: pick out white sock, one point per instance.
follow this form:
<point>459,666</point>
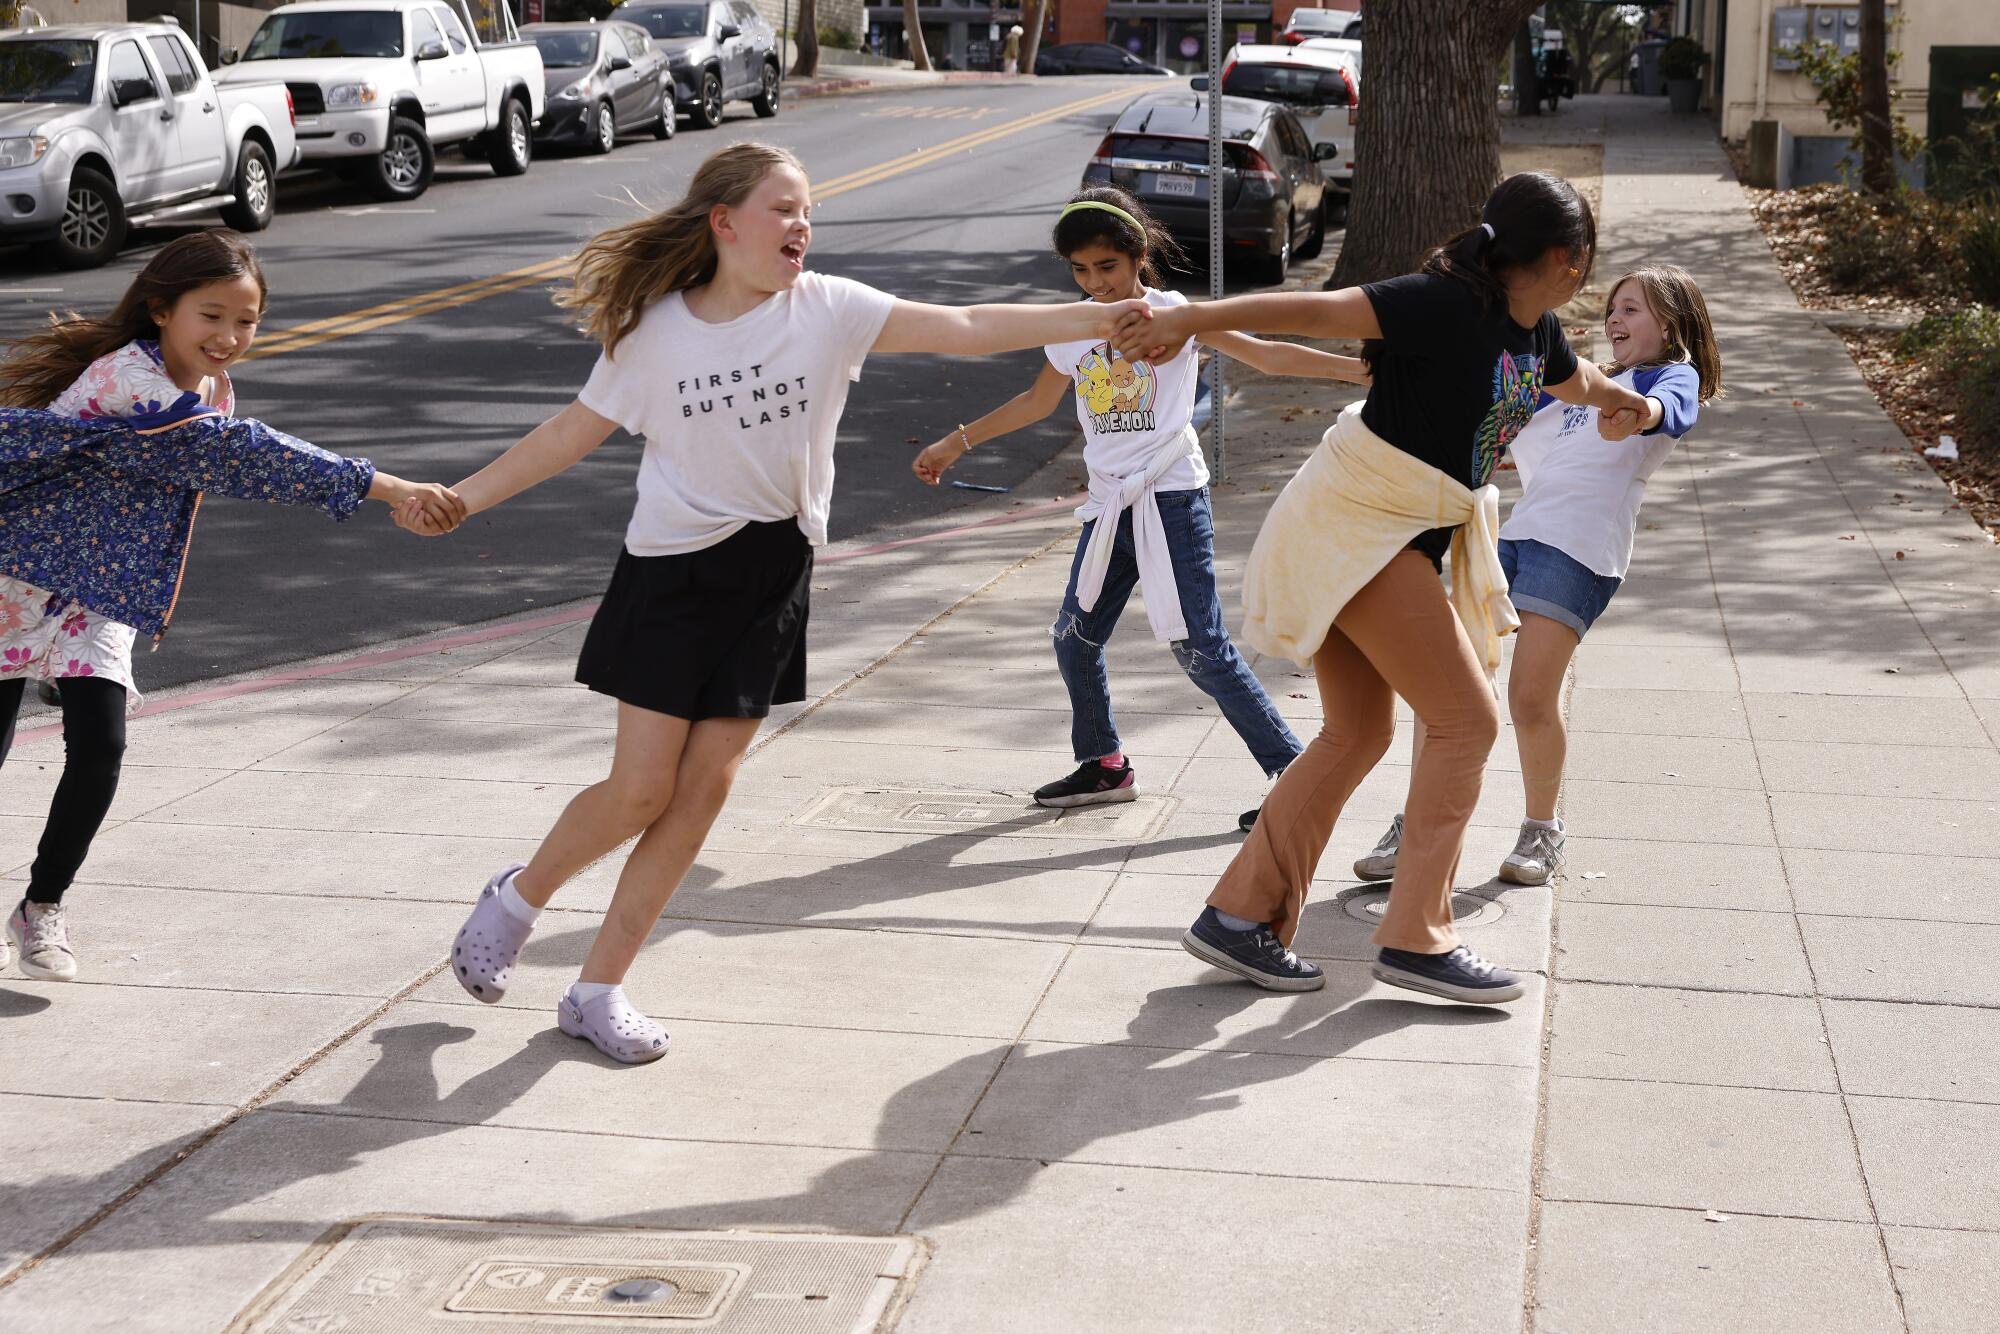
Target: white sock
<point>517,907</point>
<point>585,992</point>
<point>1235,923</point>
<point>1556,824</point>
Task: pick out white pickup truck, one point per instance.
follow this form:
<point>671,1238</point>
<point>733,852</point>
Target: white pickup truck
<point>108,126</point>
<point>379,85</point>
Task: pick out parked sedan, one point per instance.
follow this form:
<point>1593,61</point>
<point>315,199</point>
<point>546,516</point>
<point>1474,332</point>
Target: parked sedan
<point>719,50</point>
<point>1091,58</point>
<point>604,80</point>
<point>1274,198</point>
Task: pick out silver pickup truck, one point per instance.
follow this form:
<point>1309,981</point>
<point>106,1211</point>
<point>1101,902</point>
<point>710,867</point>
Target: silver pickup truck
<point>109,126</point>
<point>380,85</point>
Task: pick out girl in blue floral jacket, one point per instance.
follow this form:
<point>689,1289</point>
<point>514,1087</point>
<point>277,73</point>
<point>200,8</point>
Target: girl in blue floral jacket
<point>111,431</point>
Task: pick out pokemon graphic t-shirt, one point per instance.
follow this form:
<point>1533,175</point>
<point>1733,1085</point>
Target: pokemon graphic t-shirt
<point>1132,410</point>
<point>1454,381</point>
<point>739,417</point>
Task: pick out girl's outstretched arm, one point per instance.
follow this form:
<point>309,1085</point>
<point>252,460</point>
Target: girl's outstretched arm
<point>556,444</point>
<point>1289,358</point>
<point>1026,408</point>
<point>978,331</point>
<point>1620,411</point>
<point>1347,313</point>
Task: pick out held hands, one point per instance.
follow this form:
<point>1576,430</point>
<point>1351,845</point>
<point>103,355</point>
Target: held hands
<point>1631,414</point>
<point>424,508</point>
<point>930,465</point>
<point>1136,331</point>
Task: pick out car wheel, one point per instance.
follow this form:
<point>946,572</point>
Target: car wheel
<point>514,145</point>
<point>708,111</point>
<point>765,103</point>
<point>604,132</point>
<point>1271,269</point>
<point>663,128</point>
<point>1316,238</point>
<point>256,198</point>
<point>403,169</point>
<point>93,222</point>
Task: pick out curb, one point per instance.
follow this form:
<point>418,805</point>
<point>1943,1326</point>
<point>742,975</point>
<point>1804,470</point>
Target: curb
<point>822,86</point>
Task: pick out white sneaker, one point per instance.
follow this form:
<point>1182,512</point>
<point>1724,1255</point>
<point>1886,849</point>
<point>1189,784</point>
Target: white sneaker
<point>1381,863</point>
<point>1536,855</point>
<point>40,931</point>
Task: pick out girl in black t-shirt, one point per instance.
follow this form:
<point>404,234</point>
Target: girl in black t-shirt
<point>1461,353</point>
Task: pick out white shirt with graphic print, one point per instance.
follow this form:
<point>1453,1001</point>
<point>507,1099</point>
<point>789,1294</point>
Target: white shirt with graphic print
<point>739,418</point>
<point>1131,411</point>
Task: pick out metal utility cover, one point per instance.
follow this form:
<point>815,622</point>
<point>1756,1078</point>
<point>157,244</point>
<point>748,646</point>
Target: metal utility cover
<point>881,810</point>
<point>1367,905</point>
<point>397,1275</point>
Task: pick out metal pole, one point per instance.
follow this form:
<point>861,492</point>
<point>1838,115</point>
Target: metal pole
<point>1217,450</point>
<point>784,41</point>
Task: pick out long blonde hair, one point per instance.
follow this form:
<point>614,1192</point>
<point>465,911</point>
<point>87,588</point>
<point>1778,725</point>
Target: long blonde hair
<point>622,270</point>
<point>1670,293</point>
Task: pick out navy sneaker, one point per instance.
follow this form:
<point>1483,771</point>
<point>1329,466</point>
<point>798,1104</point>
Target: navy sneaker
<point>1248,820</point>
<point>1254,954</point>
<point>1093,784</point>
<point>1460,975</point>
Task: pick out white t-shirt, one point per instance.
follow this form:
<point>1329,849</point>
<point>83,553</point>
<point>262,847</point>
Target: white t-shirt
<point>1130,411</point>
<point>1581,493</point>
<point>739,418</point>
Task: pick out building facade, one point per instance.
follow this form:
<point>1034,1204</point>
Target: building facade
<point>1171,33</point>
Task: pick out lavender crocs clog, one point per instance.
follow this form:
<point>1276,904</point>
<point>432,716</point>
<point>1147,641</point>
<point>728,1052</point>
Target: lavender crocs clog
<point>611,1025</point>
<point>482,957</point>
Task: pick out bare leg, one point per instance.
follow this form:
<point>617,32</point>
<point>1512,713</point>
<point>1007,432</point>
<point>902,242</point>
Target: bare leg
<point>1542,653</point>
<point>605,814</point>
<point>708,763</point>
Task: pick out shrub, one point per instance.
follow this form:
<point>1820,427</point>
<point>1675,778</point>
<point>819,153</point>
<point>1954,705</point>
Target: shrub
<point>1682,58</point>
<point>1889,244</point>
<point>833,35</point>
<point>1962,348</point>
<point>1967,167</point>
<point>1979,253</point>
<point>1837,81</point>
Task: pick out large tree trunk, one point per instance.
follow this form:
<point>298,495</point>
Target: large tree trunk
<point>807,40</point>
<point>1878,138</point>
<point>913,36</point>
<point>1427,150</point>
<point>1031,32</point>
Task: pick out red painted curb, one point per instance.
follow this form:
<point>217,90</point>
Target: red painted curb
<point>511,629</point>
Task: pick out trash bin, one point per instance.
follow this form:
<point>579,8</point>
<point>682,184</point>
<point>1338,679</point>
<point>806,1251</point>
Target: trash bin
<point>1649,83</point>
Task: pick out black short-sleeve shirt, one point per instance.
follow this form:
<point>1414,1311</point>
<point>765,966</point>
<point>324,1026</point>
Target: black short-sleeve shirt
<point>1455,381</point>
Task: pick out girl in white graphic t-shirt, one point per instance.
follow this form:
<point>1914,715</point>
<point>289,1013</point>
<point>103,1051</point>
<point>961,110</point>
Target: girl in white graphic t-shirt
<point>1568,541</point>
<point>733,362</point>
<point>1147,519</point>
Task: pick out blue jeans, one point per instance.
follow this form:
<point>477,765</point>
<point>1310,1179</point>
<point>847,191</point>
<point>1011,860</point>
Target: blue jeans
<point>1206,655</point>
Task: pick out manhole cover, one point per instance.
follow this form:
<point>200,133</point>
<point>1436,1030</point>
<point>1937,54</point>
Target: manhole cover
<point>882,810</point>
<point>392,1275</point>
<point>1366,905</point>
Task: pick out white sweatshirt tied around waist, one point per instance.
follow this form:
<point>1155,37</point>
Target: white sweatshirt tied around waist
<point>1111,497</point>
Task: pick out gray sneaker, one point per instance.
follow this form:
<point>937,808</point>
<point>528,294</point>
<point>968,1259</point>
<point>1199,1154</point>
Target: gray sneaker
<point>610,1024</point>
<point>483,955</point>
<point>40,932</point>
<point>1536,855</point>
<point>1381,863</point>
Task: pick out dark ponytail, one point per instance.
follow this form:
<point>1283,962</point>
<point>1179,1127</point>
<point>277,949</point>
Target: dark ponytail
<point>1525,218</point>
<point>1150,244</point>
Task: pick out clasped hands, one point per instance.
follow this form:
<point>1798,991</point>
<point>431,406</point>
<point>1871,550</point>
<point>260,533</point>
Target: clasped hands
<point>428,509</point>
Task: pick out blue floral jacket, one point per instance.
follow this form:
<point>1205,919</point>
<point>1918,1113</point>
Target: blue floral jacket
<point>100,511</point>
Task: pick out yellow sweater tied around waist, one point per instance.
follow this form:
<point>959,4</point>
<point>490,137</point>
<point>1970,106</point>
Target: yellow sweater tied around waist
<point>1340,521</point>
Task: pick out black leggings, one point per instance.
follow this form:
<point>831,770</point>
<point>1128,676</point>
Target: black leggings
<point>93,713</point>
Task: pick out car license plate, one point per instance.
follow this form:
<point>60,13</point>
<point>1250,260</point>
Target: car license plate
<point>1184,187</point>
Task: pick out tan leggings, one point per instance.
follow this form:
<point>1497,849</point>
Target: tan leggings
<point>1398,636</point>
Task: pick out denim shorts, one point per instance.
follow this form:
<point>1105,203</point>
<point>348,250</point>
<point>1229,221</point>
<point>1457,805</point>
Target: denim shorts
<point>1550,583</point>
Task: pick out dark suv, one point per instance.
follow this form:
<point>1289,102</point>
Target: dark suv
<point>719,51</point>
<point>1273,196</point>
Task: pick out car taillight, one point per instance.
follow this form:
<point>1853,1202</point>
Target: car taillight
<point>1251,164</point>
<point>1353,98</point>
<point>290,109</point>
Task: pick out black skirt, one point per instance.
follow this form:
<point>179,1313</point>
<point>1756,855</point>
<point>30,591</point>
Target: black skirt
<point>715,633</point>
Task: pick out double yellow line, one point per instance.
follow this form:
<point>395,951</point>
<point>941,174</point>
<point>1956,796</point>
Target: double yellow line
<point>299,337</point>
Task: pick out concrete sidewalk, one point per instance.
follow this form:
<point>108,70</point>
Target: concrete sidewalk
<point>1750,1088</point>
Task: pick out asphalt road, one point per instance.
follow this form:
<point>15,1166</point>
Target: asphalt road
<point>434,396</point>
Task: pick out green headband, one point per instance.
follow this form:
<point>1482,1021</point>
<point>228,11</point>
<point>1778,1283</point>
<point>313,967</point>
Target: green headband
<point>1112,209</point>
